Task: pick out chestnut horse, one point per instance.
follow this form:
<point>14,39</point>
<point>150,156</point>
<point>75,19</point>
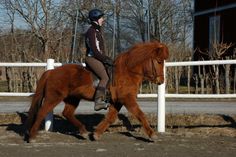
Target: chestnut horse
<point>71,83</point>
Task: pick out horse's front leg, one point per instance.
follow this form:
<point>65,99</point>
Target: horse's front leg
<point>133,107</point>
<point>110,118</point>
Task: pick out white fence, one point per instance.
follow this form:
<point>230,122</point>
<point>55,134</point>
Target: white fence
<point>161,88</point>
<point>49,65</point>
<point>162,95</point>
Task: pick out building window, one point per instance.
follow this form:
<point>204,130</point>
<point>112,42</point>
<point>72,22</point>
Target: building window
<point>214,32</point>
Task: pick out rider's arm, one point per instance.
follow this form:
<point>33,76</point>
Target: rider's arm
<point>94,45</point>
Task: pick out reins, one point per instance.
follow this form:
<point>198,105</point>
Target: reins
<point>145,75</point>
<point>110,69</point>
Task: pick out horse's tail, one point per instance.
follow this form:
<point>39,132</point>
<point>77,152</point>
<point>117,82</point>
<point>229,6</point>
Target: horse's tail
<point>36,103</point>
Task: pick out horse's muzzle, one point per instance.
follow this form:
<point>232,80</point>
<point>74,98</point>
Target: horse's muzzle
<point>159,80</point>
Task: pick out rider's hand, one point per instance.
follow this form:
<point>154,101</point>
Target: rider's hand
<point>108,61</point>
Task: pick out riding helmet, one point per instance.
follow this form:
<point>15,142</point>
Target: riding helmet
<point>95,14</point>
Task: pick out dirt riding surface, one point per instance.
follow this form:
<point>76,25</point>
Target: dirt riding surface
<point>186,135</point>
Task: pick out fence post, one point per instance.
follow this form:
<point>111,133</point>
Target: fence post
<point>161,104</point>
<point>49,117</point>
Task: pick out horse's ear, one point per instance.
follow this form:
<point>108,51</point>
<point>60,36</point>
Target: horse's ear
<point>162,51</point>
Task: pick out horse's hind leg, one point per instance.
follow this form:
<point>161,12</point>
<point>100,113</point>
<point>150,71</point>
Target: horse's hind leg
<point>132,107</point>
<point>68,113</point>
<point>47,106</point>
<point>110,117</point>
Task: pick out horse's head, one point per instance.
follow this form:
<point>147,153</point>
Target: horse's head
<point>153,68</point>
<point>144,60</point>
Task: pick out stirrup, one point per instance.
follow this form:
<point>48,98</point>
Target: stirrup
<point>101,105</point>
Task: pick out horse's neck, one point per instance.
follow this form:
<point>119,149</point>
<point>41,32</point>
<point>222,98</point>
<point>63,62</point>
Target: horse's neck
<point>130,75</point>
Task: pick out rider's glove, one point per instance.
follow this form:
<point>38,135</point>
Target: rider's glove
<point>108,61</point>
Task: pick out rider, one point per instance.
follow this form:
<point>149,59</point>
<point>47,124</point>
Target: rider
<point>96,58</point>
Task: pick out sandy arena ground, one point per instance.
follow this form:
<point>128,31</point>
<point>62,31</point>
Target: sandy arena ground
<point>186,135</point>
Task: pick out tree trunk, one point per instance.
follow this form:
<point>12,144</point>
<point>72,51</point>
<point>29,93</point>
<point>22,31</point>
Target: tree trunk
<point>208,84</point>
<point>176,81</point>
<point>118,44</point>
<point>227,80</point>
<point>215,80</point>
<point>196,83</point>
<point>9,79</point>
<point>202,78</point>
<point>189,79</point>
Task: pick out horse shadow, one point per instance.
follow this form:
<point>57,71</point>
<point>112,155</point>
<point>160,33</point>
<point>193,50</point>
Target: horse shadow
<point>17,128</point>
<point>63,126</point>
<point>90,121</point>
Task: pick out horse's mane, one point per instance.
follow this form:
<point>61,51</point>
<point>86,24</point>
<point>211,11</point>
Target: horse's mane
<point>141,52</point>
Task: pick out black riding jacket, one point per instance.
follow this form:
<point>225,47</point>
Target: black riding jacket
<point>94,43</point>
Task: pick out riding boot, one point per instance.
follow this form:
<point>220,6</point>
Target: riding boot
<point>100,97</point>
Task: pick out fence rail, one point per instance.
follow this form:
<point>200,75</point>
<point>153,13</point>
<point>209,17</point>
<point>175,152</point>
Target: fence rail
<point>195,63</point>
<point>27,64</point>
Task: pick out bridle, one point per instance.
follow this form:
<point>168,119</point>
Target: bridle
<point>145,74</point>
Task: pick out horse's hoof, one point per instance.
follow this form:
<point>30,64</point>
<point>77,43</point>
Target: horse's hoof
<point>154,137</point>
<point>96,137</point>
<point>85,135</point>
<point>27,137</point>
<point>29,140</point>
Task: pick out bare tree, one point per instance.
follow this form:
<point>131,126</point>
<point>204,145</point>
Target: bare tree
<point>217,52</point>
<point>41,17</point>
<point>49,30</point>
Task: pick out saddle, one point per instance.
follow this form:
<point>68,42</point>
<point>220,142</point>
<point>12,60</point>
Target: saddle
<point>109,70</point>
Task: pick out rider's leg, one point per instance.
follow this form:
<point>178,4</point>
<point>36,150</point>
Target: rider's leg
<point>100,99</point>
<point>100,71</point>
